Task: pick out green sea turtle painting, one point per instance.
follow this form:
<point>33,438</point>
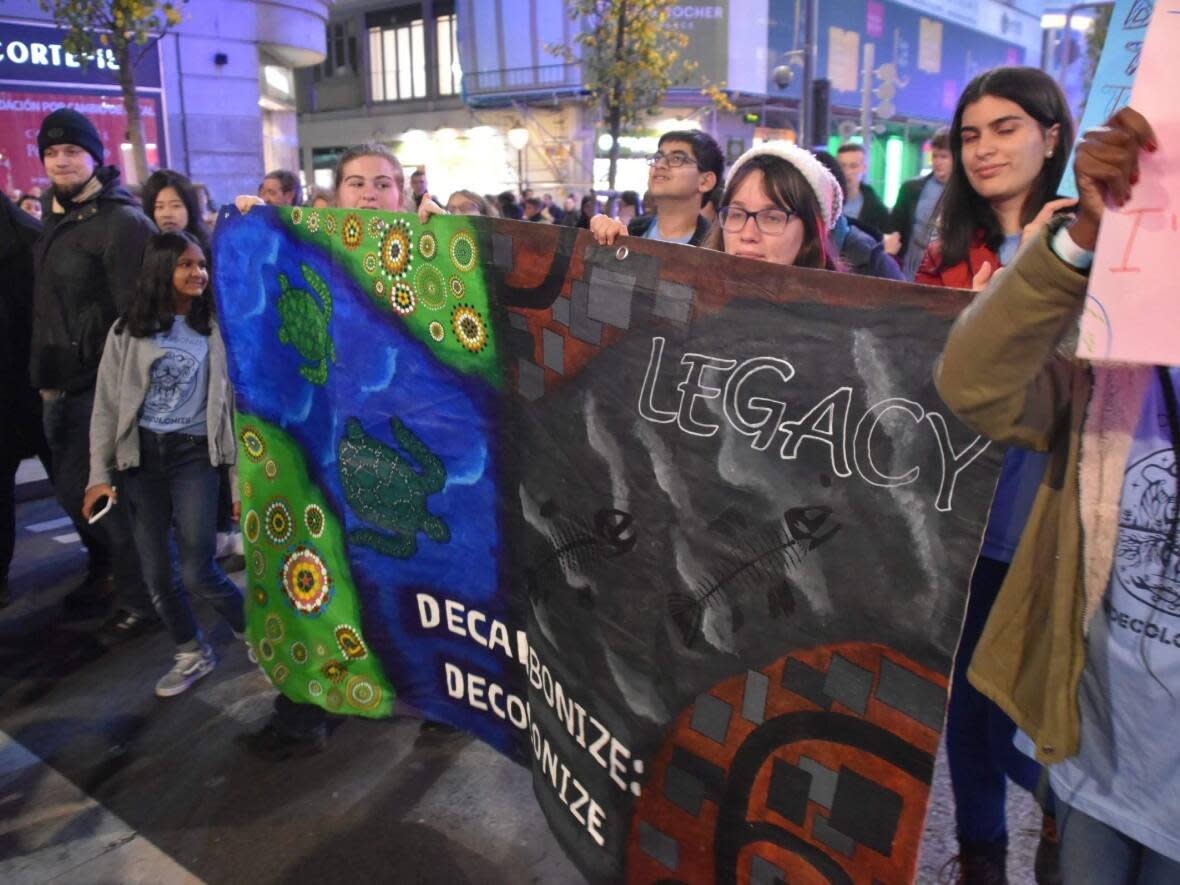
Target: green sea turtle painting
<point>384,488</point>
<point>304,324</point>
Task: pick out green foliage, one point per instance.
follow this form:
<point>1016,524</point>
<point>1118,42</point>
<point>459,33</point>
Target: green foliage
<point>1096,37</point>
<point>630,55</point>
<point>123,26</point>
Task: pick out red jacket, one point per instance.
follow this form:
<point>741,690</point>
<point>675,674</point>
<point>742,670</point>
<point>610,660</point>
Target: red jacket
<point>958,276</point>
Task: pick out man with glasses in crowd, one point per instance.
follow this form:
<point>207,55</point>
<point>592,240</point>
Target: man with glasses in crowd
<point>685,169</point>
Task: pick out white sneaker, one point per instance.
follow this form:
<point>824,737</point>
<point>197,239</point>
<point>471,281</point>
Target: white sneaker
<point>235,543</point>
<point>189,667</point>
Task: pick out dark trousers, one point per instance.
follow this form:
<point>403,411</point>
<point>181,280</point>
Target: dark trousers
<point>299,721</point>
<point>175,483</point>
<point>108,542</point>
<point>9,463</point>
<point>978,733</point>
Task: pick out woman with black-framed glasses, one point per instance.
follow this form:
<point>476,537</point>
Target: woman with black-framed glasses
<point>779,205</point>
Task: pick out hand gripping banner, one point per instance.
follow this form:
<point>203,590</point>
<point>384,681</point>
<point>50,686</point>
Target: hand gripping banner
<point>689,535</point>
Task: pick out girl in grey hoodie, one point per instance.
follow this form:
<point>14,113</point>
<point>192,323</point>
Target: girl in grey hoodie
<point>163,422</point>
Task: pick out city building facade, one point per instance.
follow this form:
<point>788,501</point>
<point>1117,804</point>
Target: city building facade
<point>445,82</point>
<point>217,93</point>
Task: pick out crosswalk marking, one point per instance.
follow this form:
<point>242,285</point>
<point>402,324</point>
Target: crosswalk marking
<point>71,538</point>
<point>50,525</point>
<point>30,470</point>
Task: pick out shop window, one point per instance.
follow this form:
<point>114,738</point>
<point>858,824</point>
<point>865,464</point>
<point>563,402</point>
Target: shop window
<point>449,74</point>
<point>340,54</point>
<point>397,60</point>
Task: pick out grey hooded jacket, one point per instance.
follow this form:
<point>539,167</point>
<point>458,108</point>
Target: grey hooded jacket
<point>124,375</point>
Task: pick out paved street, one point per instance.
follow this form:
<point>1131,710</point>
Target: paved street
<point>102,782</point>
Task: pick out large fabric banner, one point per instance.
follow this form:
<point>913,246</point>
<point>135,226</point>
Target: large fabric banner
<point>689,535</point>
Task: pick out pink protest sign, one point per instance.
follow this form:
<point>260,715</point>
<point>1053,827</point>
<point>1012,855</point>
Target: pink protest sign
<point>1133,309</point>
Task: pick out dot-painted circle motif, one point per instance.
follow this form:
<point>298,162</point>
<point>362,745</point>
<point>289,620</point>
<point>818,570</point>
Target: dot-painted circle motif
<point>379,288</point>
<point>370,263</point>
<point>458,288</point>
<point>330,224</point>
<point>296,215</point>
<point>253,444</point>
<point>395,249</point>
<point>431,287</point>
<point>299,652</point>
<point>352,231</point>
<point>248,489</point>
<point>270,468</point>
<point>279,524</point>
<point>427,246</point>
<point>402,299</point>
<point>258,561</point>
<point>376,227</point>
<point>305,580</point>
<point>280,673</point>
<point>334,700</point>
<point>463,251</point>
<point>315,689</point>
<point>362,693</point>
<point>313,518</point>
<point>313,222</point>
<point>252,527</point>
<point>260,596</point>
<point>321,650</point>
<point>469,328</point>
<point>437,331</point>
<point>273,628</point>
<point>266,649</point>
<point>350,643</point>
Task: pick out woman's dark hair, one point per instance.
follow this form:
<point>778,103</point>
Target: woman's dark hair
<point>289,183</point>
<point>963,213</point>
<point>163,178</point>
<point>789,190</point>
<point>153,308</point>
<point>629,198</point>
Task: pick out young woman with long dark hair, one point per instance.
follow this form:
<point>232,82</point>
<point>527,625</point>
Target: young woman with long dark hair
<point>1010,140</point>
<point>1080,647</point>
<point>163,419</point>
<point>172,202</point>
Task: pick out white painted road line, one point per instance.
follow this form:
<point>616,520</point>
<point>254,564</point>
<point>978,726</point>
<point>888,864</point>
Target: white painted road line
<point>51,525</point>
<point>30,470</point>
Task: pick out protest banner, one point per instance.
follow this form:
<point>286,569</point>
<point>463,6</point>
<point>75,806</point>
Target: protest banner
<point>1132,309</point>
<point>1118,63</point>
<point>689,535</point>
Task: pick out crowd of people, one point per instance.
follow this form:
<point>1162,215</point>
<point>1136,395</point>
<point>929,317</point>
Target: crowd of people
<point>115,376</point>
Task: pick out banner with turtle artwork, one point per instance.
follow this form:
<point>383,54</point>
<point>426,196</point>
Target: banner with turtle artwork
<point>689,535</point>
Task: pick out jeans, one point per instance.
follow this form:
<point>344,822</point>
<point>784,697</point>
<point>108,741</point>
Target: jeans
<point>979,734</point>
<point>1093,853</point>
<point>109,542</point>
<point>175,483</point>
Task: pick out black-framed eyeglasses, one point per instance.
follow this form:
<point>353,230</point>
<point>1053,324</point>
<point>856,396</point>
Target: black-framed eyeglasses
<point>769,221</point>
<point>675,160</point>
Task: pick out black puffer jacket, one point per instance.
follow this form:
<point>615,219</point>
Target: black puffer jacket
<point>87,262</point>
<point>20,429</point>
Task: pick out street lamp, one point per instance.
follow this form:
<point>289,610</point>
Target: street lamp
<point>518,137</point>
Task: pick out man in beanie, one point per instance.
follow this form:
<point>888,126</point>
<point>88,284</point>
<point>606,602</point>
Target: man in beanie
<point>86,263</point>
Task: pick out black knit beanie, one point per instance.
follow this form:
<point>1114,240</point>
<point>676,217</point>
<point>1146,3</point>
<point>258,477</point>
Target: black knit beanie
<point>67,126</point>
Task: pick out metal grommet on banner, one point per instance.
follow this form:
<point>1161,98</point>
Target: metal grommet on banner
<point>621,253</point>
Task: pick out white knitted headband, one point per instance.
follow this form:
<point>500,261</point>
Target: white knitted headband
<point>827,191</point>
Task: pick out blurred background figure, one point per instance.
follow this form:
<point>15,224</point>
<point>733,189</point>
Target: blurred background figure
<point>281,188</point>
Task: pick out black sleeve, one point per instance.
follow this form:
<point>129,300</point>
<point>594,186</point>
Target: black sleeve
<point>127,236</point>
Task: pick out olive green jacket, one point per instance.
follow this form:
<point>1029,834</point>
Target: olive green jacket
<point>1004,376</point>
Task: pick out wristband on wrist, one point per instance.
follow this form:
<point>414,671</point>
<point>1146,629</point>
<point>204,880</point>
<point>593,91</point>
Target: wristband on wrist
<point>1070,252</point>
